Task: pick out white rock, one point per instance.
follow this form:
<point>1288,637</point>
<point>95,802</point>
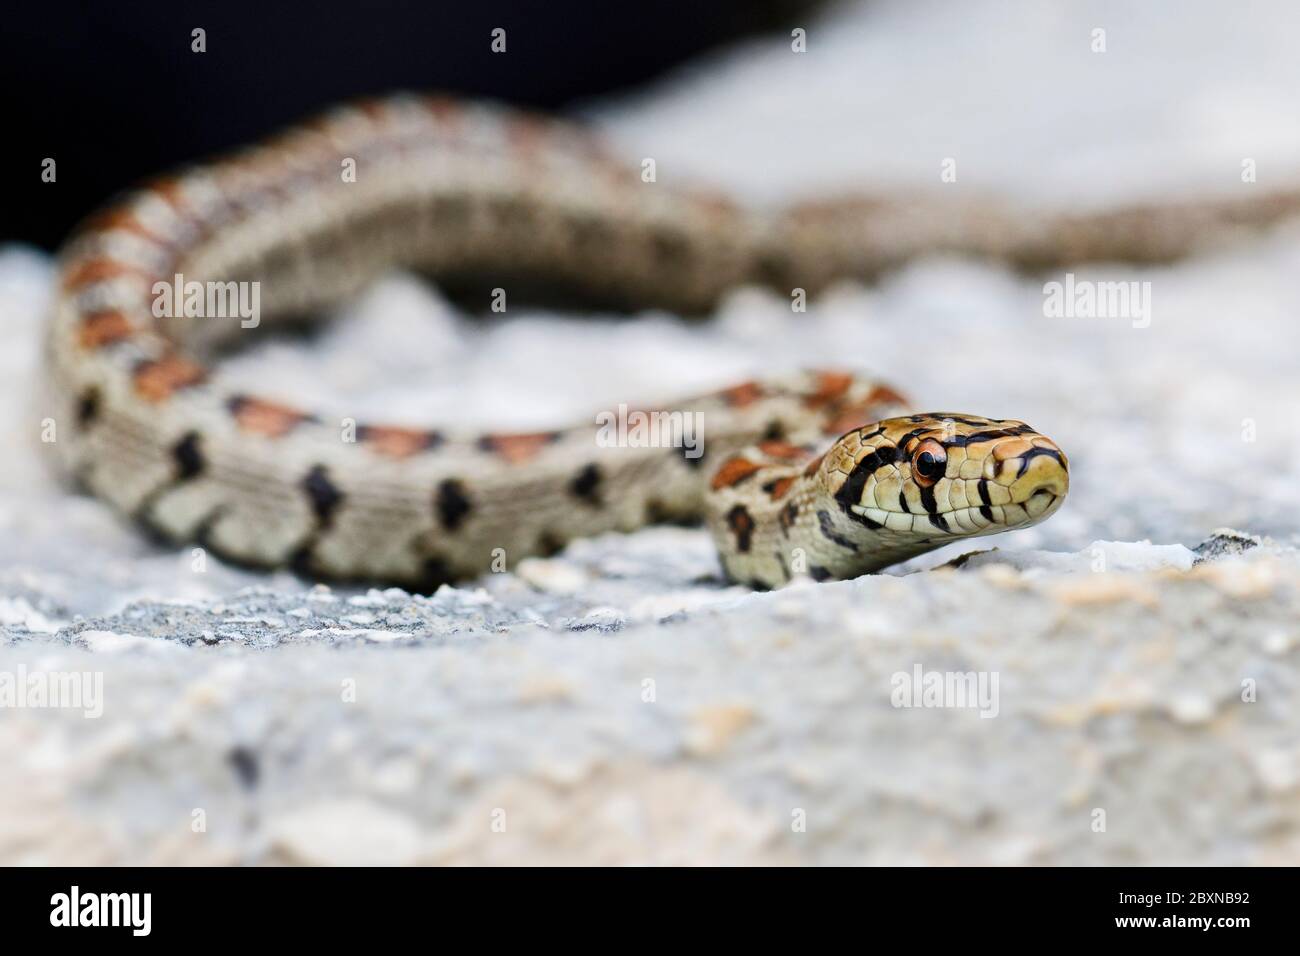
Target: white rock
<point>348,832</point>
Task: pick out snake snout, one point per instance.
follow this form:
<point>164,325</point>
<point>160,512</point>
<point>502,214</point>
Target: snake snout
<point>1043,479</point>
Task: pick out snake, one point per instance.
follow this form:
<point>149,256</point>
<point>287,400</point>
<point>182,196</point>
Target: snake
<point>808,474</point>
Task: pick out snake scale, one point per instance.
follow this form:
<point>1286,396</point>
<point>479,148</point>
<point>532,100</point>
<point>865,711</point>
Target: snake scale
<point>826,474</point>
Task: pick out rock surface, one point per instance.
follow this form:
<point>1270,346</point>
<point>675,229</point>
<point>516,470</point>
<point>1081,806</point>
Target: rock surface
<point>705,724</point>
<point>1128,701</point>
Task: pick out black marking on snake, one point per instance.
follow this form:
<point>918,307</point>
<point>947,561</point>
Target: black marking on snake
<point>973,422</point>
<point>143,517</point>
<point>984,491</point>
<point>302,561</point>
<point>324,495</point>
<point>203,530</point>
<point>741,523</point>
<point>189,460</point>
<point>453,504</point>
<point>932,509</point>
<point>818,573</point>
<point>1036,453</point>
<point>585,486</point>
<point>434,573</point>
<point>961,441</point>
<point>88,406</point>
<point>828,530</point>
<point>850,493</point>
<point>987,512</point>
<point>549,544</point>
<point>775,431</point>
<point>780,560</point>
<point>771,271</point>
<point>882,457</point>
<point>202,536</point>
<point>788,516</point>
<point>902,502</point>
<point>912,436</point>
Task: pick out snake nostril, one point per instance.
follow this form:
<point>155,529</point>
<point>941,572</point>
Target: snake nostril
<point>1046,479</point>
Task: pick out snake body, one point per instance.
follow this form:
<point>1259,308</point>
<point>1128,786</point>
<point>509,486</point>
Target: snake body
<point>822,473</point>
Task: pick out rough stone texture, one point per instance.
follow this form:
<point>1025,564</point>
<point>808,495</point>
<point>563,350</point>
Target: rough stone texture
<point>1155,682</point>
<point>699,727</point>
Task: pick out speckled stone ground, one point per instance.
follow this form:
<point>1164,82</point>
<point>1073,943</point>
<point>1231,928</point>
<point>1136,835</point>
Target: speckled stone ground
<point>511,724</point>
<point>618,704</point>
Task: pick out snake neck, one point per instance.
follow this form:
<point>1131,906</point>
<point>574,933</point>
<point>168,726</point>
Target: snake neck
<point>775,518</point>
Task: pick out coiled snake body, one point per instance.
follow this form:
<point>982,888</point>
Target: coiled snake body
<point>820,473</point>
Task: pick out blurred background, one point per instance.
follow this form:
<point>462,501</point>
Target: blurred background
<point>124,80</point>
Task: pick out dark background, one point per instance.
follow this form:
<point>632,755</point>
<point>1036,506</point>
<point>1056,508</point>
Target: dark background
<point>113,93</point>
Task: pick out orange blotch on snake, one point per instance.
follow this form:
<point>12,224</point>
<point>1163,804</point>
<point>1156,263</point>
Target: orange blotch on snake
<point>854,416</point>
<point>97,270</point>
<point>396,442</point>
<point>518,448</point>
<point>884,395</point>
<point>783,450</point>
<point>780,488</point>
<point>119,218</point>
<point>104,328</point>
<point>265,418</point>
<point>732,472</point>
<point>157,380</point>
<point>738,396</point>
<point>831,387</point>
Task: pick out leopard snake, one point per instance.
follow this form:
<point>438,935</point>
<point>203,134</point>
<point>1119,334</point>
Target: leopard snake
<point>823,474</point>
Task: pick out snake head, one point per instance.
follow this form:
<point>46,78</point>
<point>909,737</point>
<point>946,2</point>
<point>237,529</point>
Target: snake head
<point>925,480</point>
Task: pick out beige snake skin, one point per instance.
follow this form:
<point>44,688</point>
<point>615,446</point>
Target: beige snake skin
<point>806,474</point>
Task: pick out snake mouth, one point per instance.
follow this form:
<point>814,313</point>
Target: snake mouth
<point>1040,502</point>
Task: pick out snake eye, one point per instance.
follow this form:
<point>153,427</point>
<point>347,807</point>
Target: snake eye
<point>929,462</point>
